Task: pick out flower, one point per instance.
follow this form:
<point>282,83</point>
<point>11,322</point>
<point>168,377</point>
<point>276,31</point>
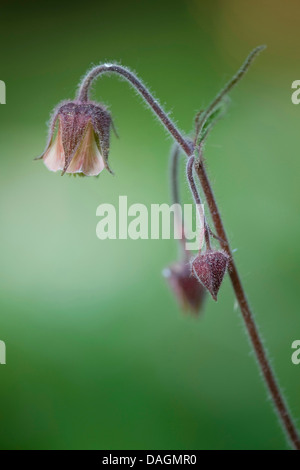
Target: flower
<point>188,290</point>
<point>210,268</point>
<point>81,144</point>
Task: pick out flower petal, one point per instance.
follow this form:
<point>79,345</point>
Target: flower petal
<point>189,291</point>
<point>87,159</point>
<point>102,123</point>
<point>54,157</point>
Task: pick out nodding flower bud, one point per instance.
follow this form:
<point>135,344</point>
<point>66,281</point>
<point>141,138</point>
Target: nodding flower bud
<point>210,269</point>
<point>187,289</point>
<point>81,144</point>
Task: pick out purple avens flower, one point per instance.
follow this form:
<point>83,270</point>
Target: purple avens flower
<point>186,287</point>
<point>81,143</point>
<point>81,146</point>
<point>188,291</point>
<point>210,268</point>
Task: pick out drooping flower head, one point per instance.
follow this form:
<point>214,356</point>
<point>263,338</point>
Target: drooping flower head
<point>210,268</point>
<point>189,292</point>
<point>81,144</point>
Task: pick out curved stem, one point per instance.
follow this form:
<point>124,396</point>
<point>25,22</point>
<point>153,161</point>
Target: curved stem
<point>174,180</point>
<point>195,193</point>
<point>141,88</point>
<point>256,341</point>
<point>235,79</point>
<point>174,164</point>
<point>261,355</point>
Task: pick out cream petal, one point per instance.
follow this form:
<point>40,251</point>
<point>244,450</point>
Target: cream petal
<point>87,158</point>
<point>54,157</point>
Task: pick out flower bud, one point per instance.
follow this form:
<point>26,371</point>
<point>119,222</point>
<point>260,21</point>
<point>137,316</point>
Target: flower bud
<point>210,269</point>
<point>187,289</point>
<point>81,144</point>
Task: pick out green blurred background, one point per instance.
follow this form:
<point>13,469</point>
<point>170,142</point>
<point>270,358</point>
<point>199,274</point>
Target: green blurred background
<point>98,354</point>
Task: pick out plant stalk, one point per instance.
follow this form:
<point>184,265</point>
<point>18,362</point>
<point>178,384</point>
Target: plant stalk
<point>187,146</point>
<point>249,321</point>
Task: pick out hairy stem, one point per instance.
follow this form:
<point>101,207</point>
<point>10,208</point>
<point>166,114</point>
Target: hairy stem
<point>195,193</point>
<point>174,180</point>
<point>237,77</point>
<point>256,341</point>
<point>174,167</point>
<point>261,355</point>
<point>83,95</point>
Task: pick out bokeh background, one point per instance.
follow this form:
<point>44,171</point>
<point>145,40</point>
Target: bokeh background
<point>98,354</point>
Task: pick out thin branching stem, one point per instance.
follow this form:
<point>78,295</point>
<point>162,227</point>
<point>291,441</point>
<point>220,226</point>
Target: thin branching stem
<point>174,183</point>
<point>197,199</point>
<point>83,95</point>
<point>249,320</point>
<point>235,79</point>
<point>264,364</point>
